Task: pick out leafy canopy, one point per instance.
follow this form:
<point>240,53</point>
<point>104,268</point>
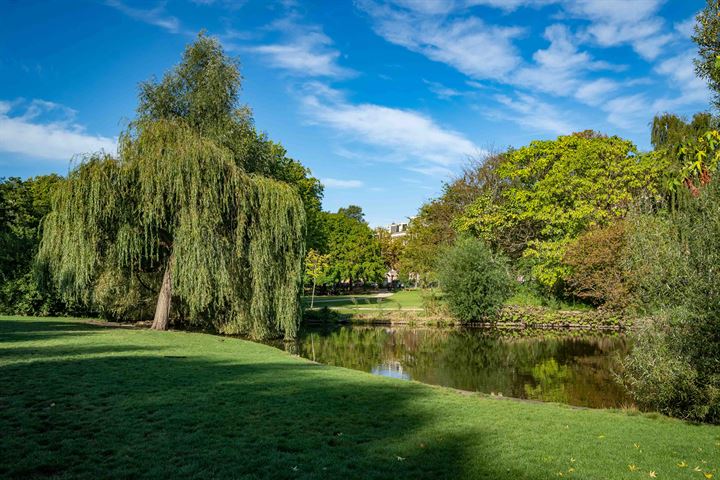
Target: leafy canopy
<point>188,194</point>
<point>551,191</point>
<point>353,249</point>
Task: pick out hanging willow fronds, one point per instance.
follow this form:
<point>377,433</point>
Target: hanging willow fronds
<point>176,199</point>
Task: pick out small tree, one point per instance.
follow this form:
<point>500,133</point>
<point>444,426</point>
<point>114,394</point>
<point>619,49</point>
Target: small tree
<point>475,281</point>
<point>315,266</point>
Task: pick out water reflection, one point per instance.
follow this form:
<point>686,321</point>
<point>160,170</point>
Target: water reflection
<point>558,367</point>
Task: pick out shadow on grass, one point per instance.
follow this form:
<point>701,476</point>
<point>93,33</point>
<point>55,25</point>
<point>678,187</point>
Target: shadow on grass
<point>141,416</point>
<point>33,330</point>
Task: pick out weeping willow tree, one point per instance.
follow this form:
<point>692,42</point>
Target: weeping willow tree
<point>185,212</point>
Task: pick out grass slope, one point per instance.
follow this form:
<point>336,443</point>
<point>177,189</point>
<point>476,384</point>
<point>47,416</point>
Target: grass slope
<point>84,401</point>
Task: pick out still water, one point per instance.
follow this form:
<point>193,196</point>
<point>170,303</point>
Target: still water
<point>572,368</point>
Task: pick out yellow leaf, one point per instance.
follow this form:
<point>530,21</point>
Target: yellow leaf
<point>708,475</point>
<point>682,464</point>
<point>652,474</point>
<point>632,467</point>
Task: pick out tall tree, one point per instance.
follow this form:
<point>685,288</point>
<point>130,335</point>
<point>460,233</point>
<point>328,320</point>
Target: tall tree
<point>187,208</point>
<point>353,211</point>
<point>554,190</point>
<point>707,38</point>
<point>433,229</point>
<point>353,249</point>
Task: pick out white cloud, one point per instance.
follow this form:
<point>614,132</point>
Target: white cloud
<point>680,72</point>
<point>469,45</point>
<point>618,22</point>
<point>597,91</point>
<point>46,130</point>
<point>153,16</point>
<point>433,171</point>
<point>534,114</point>
<point>441,91</point>
<point>629,112</point>
<point>557,69</point>
<point>310,54</point>
<point>338,183</point>
<point>686,28</point>
<point>406,134</point>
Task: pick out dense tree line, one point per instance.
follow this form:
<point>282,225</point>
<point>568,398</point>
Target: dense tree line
<point>590,218</point>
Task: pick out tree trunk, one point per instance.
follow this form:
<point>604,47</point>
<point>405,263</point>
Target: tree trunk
<point>162,310</point>
<point>312,298</point>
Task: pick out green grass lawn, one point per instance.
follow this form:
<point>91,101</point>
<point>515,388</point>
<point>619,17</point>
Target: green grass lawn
<point>404,299</point>
<point>89,402</point>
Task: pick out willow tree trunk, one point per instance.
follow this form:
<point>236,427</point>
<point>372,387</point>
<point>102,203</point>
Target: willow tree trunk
<point>162,310</point>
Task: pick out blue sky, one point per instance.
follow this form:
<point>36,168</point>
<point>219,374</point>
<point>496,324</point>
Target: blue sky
<point>383,100</point>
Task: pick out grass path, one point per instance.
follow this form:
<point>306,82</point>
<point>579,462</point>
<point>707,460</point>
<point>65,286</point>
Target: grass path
<point>85,401</point>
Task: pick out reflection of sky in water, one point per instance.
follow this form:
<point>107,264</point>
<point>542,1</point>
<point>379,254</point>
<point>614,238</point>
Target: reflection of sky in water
<point>392,370</point>
<point>567,367</point>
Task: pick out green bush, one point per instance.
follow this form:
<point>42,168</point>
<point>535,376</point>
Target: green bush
<point>475,280</point>
<point>674,267</point>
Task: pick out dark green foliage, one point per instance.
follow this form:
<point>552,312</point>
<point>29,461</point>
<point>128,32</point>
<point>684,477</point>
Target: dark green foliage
<point>189,196</point>
<point>23,204</point>
<point>475,280</point>
<point>670,131</point>
<point>673,259</point>
<point>354,251</point>
<point>707,38</point>
<point>352,211</point>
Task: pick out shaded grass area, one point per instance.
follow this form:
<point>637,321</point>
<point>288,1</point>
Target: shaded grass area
<point>84,401</point>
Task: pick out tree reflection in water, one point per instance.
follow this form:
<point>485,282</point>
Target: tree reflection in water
<point>574,368</point>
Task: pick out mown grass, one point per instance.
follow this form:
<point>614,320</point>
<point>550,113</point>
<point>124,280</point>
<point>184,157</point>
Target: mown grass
<point>408,299</point>
<point>88,402</point>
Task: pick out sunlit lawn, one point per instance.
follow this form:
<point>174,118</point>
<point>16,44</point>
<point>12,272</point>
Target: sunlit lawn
<point>90,402</point>
<point>404,299</point>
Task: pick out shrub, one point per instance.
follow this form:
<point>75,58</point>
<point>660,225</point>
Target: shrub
<point>475,281</point>
<point>660,379</point>
<point>597,274</point>
<point>673,260</point>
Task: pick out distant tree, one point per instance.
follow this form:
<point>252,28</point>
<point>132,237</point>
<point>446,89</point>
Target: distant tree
<point>354,251</point>
<point>188,208</point>
<point>554,190</point>
<point>707,38</point>
<point>433,228</point>
<point>391,248</point>
<point>316,265</point>
<point>670,130</point>
<point>353,211</point>
<point>23,204</point>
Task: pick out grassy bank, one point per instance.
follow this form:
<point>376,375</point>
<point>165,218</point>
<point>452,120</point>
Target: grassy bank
<point>85,401</point>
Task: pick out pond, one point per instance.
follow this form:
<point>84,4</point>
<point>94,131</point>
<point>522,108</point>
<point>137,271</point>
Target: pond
<point>568,367</point>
